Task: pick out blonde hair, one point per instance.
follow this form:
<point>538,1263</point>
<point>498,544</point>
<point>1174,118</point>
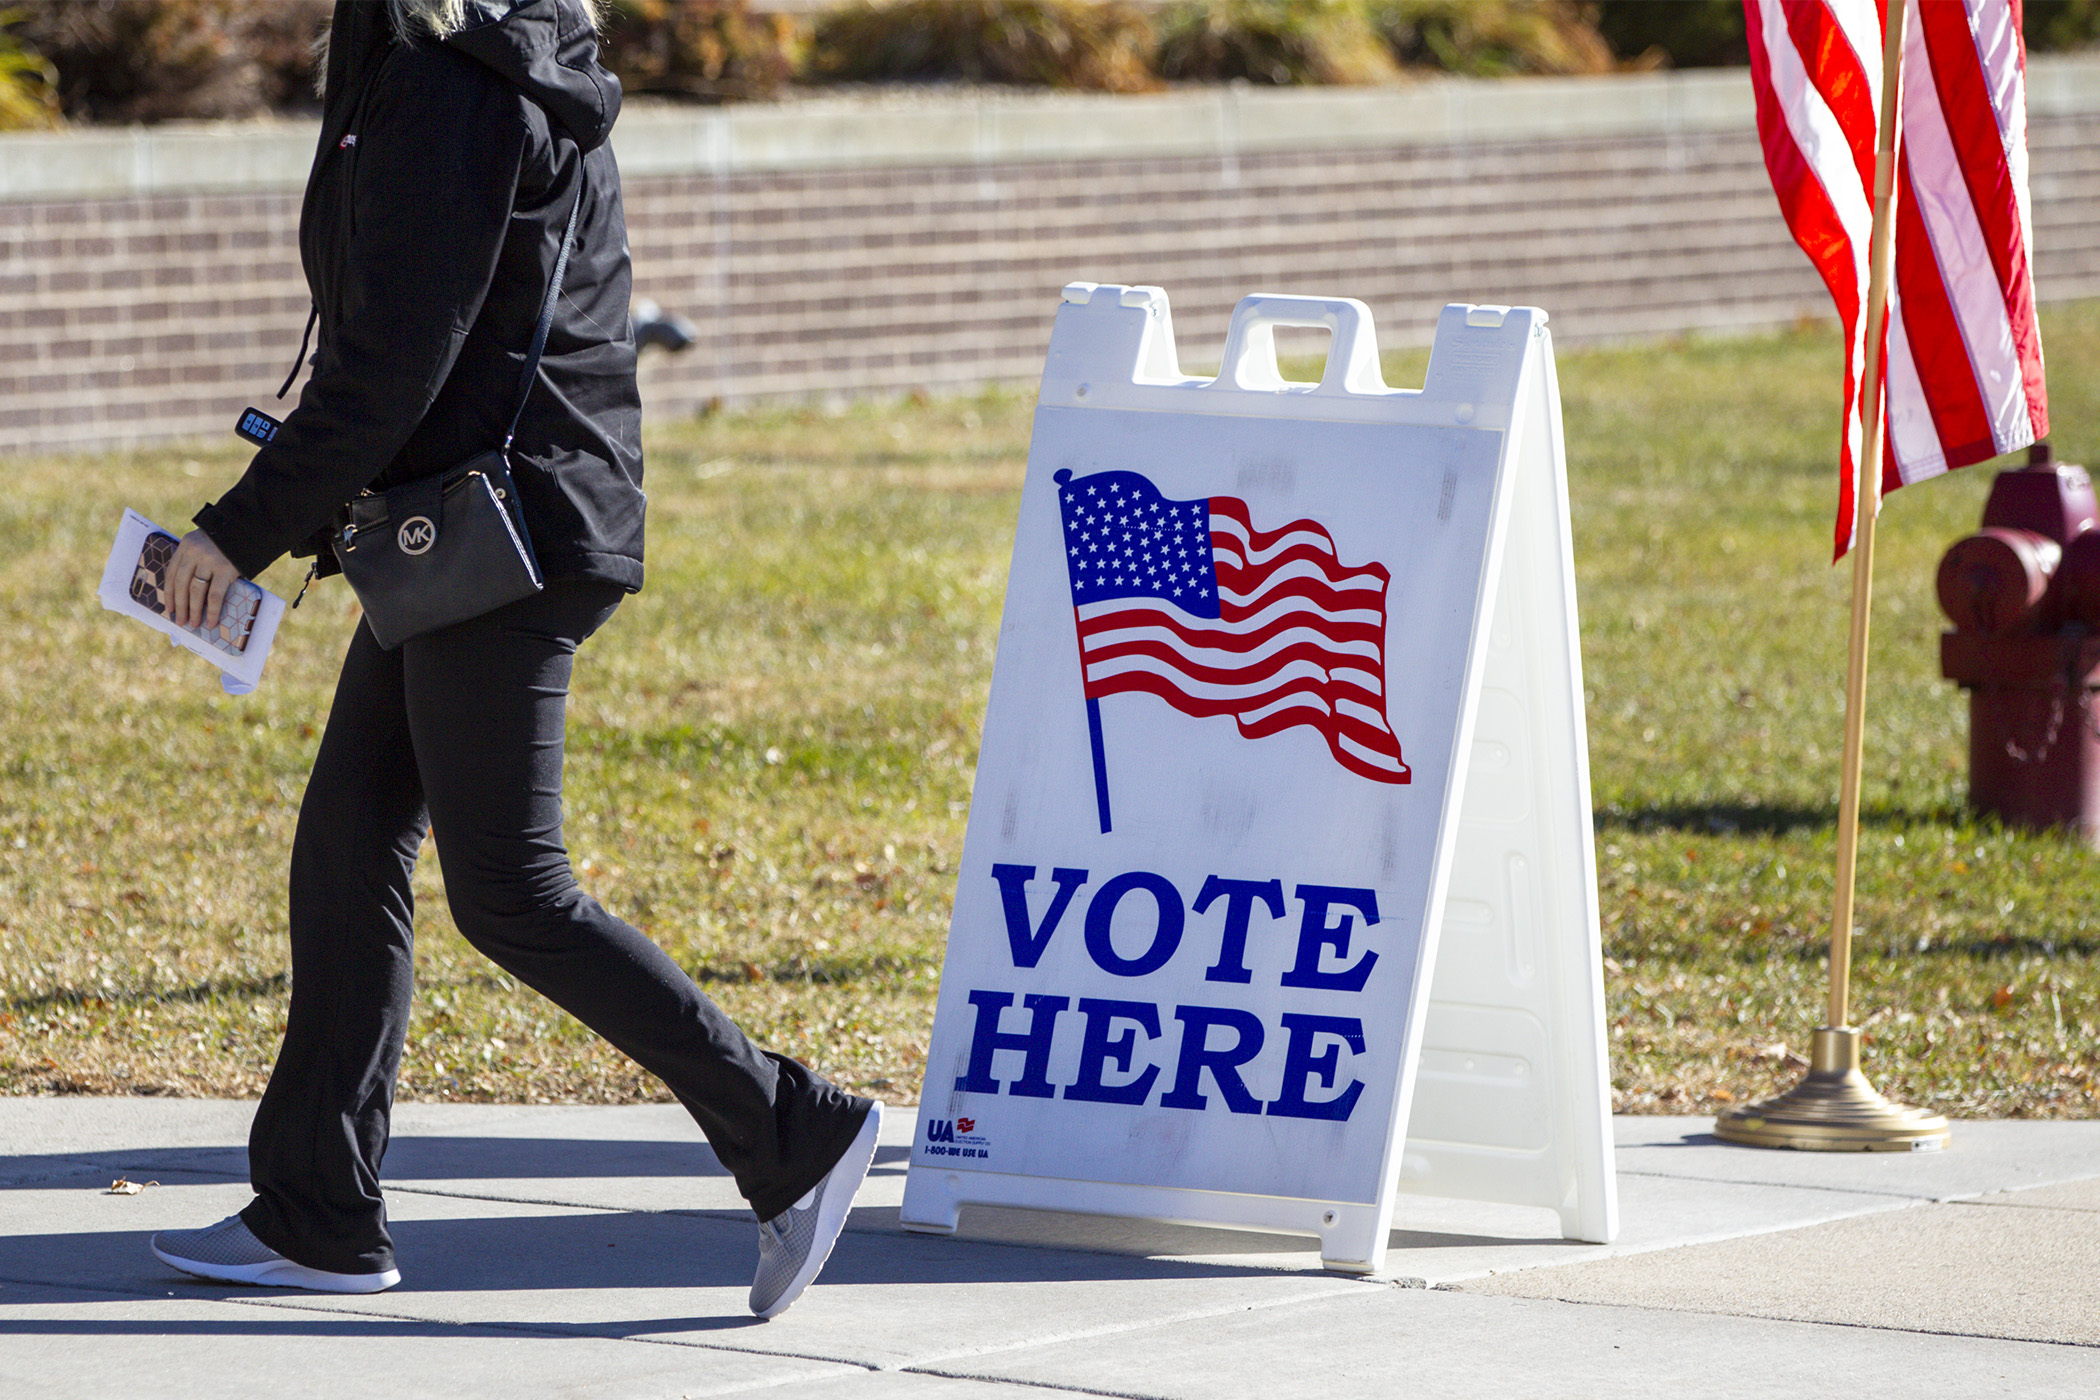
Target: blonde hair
<point>441,19</point>
<point>437,18</point>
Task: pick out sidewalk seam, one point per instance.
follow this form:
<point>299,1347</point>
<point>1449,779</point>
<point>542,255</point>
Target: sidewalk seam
<point>1781,1185</point>
<point>1041,1385</point>
<point>567,1331</point>
<point>1982,1204</point>
<point>1608,1252</point>
<point>1953,1198</point>
<point>16,1183</point>
<point>1826,1322</point>
<point>1341,1288</point>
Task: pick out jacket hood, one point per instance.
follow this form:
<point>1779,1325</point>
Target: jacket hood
<point>544,48</point>
<point>547,50</point>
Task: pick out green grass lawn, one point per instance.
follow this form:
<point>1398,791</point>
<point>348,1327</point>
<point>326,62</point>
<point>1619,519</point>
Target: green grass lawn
<point>771,751</point>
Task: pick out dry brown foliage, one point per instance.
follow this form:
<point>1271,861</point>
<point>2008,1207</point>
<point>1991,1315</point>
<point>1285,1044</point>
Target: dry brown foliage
<point>159,60</point>
<point>1097,47</point>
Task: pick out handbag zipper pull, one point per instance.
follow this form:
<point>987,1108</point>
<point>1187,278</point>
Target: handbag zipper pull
<point>311,570</point>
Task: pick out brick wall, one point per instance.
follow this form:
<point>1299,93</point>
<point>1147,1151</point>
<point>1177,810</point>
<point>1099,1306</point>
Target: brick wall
<point>157,314</point>
<point>881,280</point>
<point>141,319</point>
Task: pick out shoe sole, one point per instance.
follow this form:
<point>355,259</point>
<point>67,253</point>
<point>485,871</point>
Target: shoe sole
<point>281,1273</point>
<point>842,1184</point>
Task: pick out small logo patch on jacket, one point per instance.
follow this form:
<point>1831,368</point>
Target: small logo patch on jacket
<point>349,140</point>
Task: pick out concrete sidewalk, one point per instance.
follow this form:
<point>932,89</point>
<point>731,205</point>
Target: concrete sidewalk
<point>601,1251</point>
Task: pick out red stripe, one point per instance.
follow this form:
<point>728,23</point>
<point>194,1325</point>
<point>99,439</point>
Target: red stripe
<point>1333,599</point>
<point>1957,73</point>
<point>1232,639</point>
<point>1248,673</point>
<point>1227,556</point>
<point>1235,509</point>
<point>1290,716</point>
<point>1959,415</point>
<point>1814,223</point>
<point>1835,71</point>
<point>1330,726</point>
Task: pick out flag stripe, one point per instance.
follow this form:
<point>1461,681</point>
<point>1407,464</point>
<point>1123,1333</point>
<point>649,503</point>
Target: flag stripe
<point>1999,51</point>
<point>1846,82</point>
<point>1101,639</point>
<point>1973,123</point>
<point>1258,625</point>
<point>1830,220</point>
<point>1959,246</point>
<point>1297,660</point>
<point>1235,689</point>
<point>1912,435</point>
<point>1932,328</point>
<point>1378,758</point>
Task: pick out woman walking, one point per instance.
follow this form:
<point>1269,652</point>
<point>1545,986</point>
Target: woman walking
<point>460,140</point>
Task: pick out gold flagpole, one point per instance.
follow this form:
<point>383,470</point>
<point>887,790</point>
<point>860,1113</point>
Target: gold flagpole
<point>1834,1108</point>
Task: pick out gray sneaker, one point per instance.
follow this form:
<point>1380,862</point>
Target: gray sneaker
<point>228,1252</point>
<point>794,1244</point>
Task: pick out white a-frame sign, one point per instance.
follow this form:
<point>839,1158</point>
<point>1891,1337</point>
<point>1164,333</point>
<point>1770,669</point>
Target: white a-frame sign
<point>1278,895</point>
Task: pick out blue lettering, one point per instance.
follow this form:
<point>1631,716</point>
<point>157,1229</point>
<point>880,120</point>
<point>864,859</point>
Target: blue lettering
<point>1028,943</point>
<point>1301,1064</point>
<point>1223,1064</point>
<point>1316,935</point>
<point>1239,898</point>
<point>1099,1050</point>
<point>1166,935</point>
<point>986,1040</point>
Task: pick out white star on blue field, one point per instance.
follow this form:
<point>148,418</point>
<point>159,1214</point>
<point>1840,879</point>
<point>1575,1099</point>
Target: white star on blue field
<point>1123,539</point>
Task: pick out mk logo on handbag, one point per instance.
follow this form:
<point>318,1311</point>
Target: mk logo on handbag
<point>417,535</point>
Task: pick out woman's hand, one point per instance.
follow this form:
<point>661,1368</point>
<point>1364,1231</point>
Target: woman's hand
<point>198,577</point>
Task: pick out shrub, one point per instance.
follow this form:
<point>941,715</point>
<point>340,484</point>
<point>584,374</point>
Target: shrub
<point>154,60</point>
<point>1279,42</point>
<point>1683,34</point>
<point>28,83</point>
<point>2061,24</point>
<point>1101,47</point>
<point>716,50</point>
<point>1494,38</point>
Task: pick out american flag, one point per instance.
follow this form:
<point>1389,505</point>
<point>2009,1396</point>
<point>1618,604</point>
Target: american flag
<point>1964,359</point>
<point>1188,601</point>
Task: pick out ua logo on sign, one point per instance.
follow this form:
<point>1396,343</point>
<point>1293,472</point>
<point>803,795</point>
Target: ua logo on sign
<point>417,535</point>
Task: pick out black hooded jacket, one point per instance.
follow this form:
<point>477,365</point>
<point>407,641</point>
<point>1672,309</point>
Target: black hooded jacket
<point>432,221</point>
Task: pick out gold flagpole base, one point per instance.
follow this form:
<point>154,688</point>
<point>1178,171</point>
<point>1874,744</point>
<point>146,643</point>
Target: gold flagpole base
<point>1833,1109</point>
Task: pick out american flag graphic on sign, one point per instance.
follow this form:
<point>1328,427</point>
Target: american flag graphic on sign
<point>1188,601</point>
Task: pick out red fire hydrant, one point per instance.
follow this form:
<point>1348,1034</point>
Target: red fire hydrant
<point>2024,595</point>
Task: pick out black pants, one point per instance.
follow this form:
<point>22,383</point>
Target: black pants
<point>460,732</point>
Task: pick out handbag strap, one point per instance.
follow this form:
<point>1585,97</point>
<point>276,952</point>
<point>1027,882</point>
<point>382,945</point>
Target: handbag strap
<point>546,323</point>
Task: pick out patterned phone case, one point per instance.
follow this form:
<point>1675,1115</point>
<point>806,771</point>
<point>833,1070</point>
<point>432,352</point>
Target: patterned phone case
<point>149,584</point>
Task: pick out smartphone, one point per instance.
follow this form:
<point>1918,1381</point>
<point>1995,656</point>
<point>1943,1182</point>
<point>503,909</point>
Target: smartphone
<point>149,589</point>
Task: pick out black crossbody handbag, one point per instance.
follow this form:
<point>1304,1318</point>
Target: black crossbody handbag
<point>449,547</point>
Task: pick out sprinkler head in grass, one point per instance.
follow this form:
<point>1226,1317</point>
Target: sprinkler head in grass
<point>665,329</point>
